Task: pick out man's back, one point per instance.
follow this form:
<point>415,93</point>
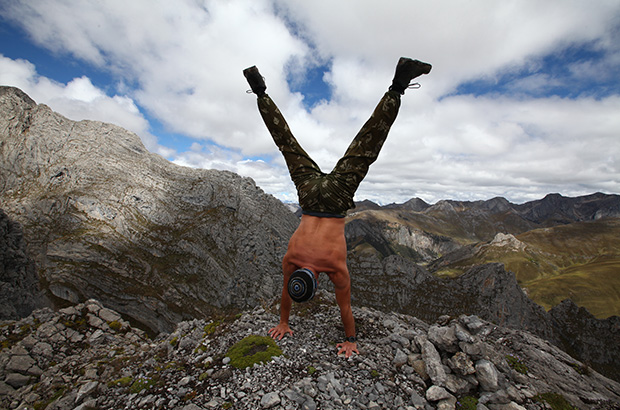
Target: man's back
<point>318,244</point>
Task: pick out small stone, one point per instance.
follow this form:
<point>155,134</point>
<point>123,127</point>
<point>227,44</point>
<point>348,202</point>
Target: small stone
<point>96,336</point>
<point>373,406</point>
<point>402,340</point>
<point>444,338</point>
<point>109,315</point>
<point>436,393</point>
<point>226,360</point>
<point>95,321</point>
<point>432,360</point>
<point>473,323</point>
<point>418,401</point>
<point>487,376</point>
<point>270,400</point>
<point>17,380</point>
<point>20,363</point>
<point>462,364</point>
<point>191,406</point>
<point>5,389</point>
<point>294,396</point>
<point>87,405</point>
<point>447,404</point>
<point>400,358</point>
<point>309,404</point>
<point>85,391</point>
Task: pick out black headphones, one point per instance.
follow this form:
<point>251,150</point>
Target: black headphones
<point>302,285</point>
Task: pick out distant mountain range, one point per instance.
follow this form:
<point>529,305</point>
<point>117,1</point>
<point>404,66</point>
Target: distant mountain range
<point>98,216</point>
<point>558,247</point>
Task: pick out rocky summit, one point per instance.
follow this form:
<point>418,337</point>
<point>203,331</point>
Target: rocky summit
<point>88,357</point>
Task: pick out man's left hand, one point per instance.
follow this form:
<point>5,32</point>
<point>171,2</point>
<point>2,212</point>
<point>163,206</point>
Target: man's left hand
<point>347,348</point>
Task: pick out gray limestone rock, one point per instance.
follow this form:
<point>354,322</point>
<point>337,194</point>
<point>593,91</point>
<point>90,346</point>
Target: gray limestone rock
<point>437,393</point>
<point>432,359</point>
<point>129,369</point>
<point>19,284</point>
<point>487,376</point>
<point>155,241</point>
<point>270,400</point>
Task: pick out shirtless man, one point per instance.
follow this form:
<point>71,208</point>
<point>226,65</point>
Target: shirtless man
<point>318,244</point>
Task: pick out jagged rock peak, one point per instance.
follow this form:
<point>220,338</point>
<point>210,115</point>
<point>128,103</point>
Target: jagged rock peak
<point>15,93</point>
<point>88,356</point>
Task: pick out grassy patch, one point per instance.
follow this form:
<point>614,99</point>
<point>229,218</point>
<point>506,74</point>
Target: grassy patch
<point>516,363</point>
<point>594,285</point>
<point>141,383</point>
<point>115,325</point>
<point>122,382</point>
<point>467,403</point>
<point>253,349</point>
<point>555,400</point>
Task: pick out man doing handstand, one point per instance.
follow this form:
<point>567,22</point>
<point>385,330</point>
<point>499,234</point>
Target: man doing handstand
<point>318,244</point>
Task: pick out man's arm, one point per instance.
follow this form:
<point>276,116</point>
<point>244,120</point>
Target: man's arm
<point>286,303</point>
<point>342,284</point>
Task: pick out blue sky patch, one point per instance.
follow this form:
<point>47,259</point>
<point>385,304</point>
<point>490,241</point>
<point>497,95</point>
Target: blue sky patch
<point>313,88</point>
<point>575,71</point>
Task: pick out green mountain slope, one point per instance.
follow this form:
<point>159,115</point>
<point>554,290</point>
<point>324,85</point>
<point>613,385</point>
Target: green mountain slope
<point>580,261</point>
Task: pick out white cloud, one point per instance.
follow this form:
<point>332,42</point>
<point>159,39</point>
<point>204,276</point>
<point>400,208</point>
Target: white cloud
<point>181,61</point>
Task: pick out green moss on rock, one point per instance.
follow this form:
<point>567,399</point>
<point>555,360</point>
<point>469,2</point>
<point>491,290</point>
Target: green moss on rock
<point>555,400</point>
<point>251,350</point>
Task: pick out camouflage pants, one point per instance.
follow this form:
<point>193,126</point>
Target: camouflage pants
<point>331,194</point>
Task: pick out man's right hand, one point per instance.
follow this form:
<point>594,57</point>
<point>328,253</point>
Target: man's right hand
<point>278,332</point>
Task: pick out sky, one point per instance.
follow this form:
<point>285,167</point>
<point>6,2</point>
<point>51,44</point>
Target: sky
<point>523,98</point>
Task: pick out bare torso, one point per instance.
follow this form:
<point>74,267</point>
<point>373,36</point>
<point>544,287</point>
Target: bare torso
<point>318,244</point>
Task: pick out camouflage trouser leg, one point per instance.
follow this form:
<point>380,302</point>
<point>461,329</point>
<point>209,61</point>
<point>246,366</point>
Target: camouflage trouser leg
<point>365,147</point>
<point>331,193</point>
<point>300,166</point>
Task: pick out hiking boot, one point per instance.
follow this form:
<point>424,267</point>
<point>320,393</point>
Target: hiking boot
<point>256,81</point>
<point>406,70</point>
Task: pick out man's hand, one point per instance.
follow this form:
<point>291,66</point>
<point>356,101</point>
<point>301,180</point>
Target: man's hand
<point>278,332</point>
<point>347,348</point>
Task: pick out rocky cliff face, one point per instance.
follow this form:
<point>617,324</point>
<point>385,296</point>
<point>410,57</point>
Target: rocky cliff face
<point>489,291</point>
<point>87,357</point>
<point>19,283</point>
<point>104,218</point>
<point>593,340</point>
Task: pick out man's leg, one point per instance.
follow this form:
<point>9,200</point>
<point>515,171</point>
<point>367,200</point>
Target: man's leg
<point>303,170</point>
<point>365,147</point>
<point>364,150</point>
<point>299,163</point>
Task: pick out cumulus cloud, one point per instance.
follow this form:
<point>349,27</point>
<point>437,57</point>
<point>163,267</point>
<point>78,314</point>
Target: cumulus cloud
<point>180,62</point>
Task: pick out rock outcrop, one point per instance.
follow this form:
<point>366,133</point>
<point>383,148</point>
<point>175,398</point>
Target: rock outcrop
<point>19,283</point>
<point>593,340</point>
<point>88,357</point>
<point>105,218</point>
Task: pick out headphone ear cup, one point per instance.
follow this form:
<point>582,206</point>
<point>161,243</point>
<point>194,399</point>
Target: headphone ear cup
<point>301,285</point>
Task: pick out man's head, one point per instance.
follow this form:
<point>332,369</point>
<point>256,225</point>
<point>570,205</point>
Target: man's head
<point>302,285</point>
